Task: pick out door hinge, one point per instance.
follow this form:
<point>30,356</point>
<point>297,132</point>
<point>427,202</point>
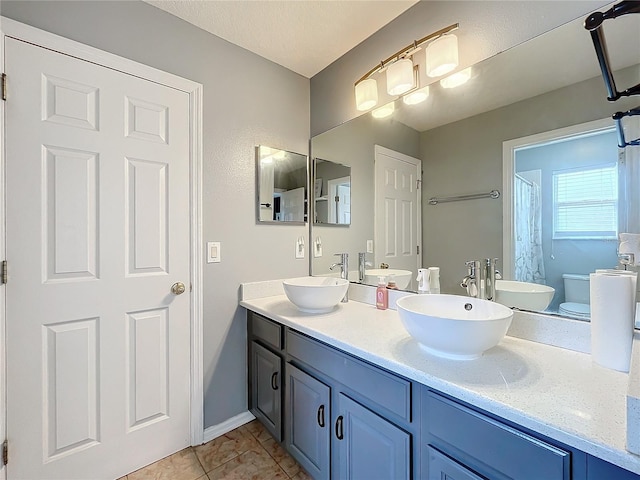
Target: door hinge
<point>5,452</point>
<point>4,273</point>
<point>4,86</point>
<point>418,183</point>
<point>418,249</point>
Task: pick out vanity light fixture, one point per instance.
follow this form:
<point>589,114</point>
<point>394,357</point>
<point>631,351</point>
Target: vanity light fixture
<point>402,75</point>
<point>384,111</point>
<point>417,96</point>
<point>456,79</point>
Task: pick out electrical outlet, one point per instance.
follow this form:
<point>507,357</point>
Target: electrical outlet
<point>369,246</point>
<point>300,247</point>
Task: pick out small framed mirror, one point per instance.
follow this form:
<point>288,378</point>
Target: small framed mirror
<point>332,193</point>
<point>282,189</point>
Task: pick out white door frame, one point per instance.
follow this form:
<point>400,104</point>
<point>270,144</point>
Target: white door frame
<point>509,148</point>
<point>20,31</point>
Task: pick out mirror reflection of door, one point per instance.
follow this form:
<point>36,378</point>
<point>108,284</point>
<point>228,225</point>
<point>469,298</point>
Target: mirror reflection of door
<point>282,185</point>
<point>398,231</point>
<point>339,200</point>
<point>332,193</point>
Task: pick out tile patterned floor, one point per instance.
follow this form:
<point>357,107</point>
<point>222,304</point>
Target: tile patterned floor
<point>246,453</point>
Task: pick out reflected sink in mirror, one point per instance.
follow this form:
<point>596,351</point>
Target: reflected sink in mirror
<point>454,326</point>
<point>402,277</point>
<point>315,294</point>
<point>524,295</point>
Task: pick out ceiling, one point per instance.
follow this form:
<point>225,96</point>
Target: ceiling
<point>302,35</point>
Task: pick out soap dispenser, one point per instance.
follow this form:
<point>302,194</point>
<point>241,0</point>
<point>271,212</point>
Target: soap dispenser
<point>423,280</point>
<point>382,294</point>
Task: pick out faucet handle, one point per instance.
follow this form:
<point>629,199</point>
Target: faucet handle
<point>384,265</point>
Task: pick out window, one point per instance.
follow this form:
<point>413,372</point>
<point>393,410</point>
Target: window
<point>585,202</point>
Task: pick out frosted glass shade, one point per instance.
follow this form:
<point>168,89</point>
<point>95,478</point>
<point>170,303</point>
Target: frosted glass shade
<point>383,111</point>
<point>400,77</point>
<point>366,94</point>
<point>416,97</point>
<point>442,55</point>
<point>456,79</point>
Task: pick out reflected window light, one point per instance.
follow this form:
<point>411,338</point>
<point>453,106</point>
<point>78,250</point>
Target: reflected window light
<point>384,111</point>
<point>456,79</point>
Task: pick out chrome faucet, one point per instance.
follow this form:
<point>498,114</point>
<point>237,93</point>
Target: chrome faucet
<point>362,261</point>
<point>344,271</point>
<point>480,281</point>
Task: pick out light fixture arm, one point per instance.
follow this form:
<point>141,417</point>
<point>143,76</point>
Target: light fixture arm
<point>407,51</point>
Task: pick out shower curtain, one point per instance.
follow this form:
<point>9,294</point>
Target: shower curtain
<point>529,260</point>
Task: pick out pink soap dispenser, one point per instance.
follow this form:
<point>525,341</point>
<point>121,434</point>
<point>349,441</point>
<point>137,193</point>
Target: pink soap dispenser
<point>382,294</point>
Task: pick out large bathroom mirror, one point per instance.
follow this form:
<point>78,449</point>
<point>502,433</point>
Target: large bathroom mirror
<point>332,192</point>
<point>281,186</point>
<point>550,85</point>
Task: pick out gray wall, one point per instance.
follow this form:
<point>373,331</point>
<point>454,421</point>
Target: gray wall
<point>241,92</point>
<point>466,157</point>
<point>486,28</point>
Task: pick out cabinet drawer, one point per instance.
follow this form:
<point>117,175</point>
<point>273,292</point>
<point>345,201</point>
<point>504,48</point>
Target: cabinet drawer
<point>381,388</point>
<point>490,447</point>
<point>441,466</point>
<point>266,330</point>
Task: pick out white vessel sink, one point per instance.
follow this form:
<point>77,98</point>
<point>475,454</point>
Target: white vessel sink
<point>525,295</point>
<point>453,326</point>
<point>315,294</point>
<point>402,277</point>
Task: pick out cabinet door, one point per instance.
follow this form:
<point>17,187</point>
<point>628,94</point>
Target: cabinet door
<point>442,467</point>
<point>366,446</point>
<point>308,427</point>
<point>266,391</point>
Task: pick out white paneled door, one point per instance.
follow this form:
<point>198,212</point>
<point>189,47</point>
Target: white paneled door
<point>397,216</point>
<point>98,345</point>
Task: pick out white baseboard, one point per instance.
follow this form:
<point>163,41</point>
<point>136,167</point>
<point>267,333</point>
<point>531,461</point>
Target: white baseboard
<point>234,422</point>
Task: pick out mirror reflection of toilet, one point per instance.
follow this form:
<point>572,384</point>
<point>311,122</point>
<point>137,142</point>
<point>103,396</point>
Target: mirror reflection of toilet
<point>576,296</point>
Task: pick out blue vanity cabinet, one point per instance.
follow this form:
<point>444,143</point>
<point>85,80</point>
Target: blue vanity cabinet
<point>308,422</point>
<point>441,467</point>
<point>265,372</point>
<point>366,446</point>
<point>372,427</point>
<point>486,447</point>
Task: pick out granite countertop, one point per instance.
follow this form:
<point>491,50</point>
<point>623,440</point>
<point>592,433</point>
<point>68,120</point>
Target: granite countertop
<point>553,391</point>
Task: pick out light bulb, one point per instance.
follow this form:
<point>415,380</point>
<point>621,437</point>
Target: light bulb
<point>400,77</point>
<point>456,79</point>
<point>418,96</point>
<point>366,94</point>
<point>383,111</point>
<point>442,55</point>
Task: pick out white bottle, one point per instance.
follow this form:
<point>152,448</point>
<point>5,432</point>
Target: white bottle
<point>434,279</point>
<point>423,280</point>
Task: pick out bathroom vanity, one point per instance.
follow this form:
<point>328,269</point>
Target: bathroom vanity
<point>349,394</point>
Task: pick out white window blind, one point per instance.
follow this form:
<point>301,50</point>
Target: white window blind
<point>585,202</point>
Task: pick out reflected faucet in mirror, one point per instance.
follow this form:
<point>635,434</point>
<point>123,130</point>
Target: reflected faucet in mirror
<point>480,281</point>
<point>461,140</point>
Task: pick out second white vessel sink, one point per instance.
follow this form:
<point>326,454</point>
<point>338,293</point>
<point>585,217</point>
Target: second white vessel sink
<point>524,295</point>
<point>453,326</point>
<point>315,294</point>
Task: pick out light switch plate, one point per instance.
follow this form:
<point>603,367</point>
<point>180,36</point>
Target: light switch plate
<point>213,252</point>
<point>317,248</point>
<point>369,246</point>
<point>299,249</point>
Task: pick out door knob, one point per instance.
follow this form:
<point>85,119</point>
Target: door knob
<point>178,288</point>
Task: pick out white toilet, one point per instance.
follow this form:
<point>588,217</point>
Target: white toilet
<point>576,296</point>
